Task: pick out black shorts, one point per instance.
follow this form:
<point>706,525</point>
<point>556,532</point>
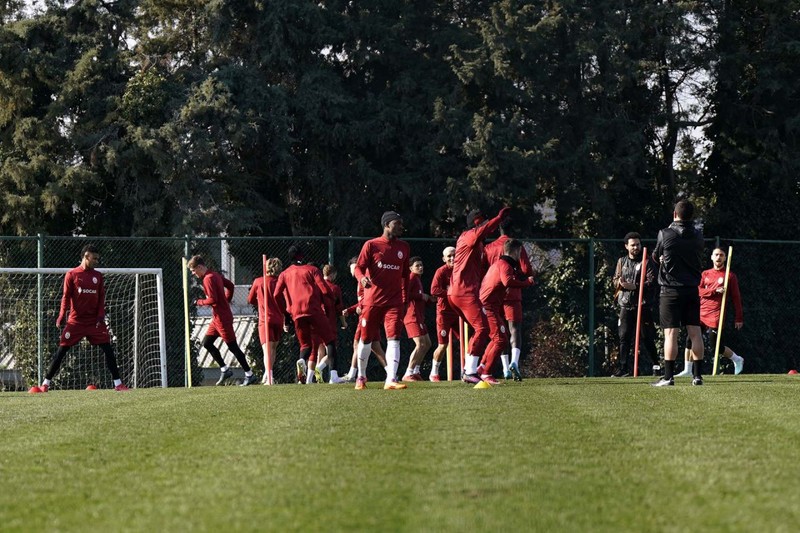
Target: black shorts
<point>679,307</point>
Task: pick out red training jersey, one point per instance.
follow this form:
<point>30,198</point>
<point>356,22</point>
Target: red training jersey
<point>275,306</point>
<point>83,298</point>
<point>219,293</point>
<point>468,264</point>
<point>711,301</point>
<point>385,262</point>
<point>439,286</point>
<point>500,276</point>
<point>415,313</point>
<point>302,287</point>
<point>492,253</point>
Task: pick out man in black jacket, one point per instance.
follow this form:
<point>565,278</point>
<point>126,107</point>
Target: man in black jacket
<point>679,253</point>
<point>627,277</point>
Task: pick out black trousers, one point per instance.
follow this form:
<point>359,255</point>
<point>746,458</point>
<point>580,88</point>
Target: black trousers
<point>627,337</point>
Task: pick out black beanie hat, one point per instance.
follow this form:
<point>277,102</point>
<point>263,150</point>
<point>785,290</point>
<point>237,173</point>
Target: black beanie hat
<point>388,216</point>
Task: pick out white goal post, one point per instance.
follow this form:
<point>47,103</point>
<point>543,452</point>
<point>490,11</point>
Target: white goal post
<point>30,300</point>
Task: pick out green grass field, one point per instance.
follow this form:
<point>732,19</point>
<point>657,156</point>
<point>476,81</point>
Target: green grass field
<point>544,455</point>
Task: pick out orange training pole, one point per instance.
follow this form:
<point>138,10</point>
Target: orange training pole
<point>450,356</point>
<point>268,368</point>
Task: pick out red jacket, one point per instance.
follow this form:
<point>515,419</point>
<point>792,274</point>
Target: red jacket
<point>83,297</point>
<point>415,312</point>
<point>302,288</point>
<point>500,276</point>
<point>711,301</point>
<point>439,286</point>
<point>468,264</point>
<point>493,252</point>
<point>275,305</point>
<point>385,262</point>
<point>219,293</point>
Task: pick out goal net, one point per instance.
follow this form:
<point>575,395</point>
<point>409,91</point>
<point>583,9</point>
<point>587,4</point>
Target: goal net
<point>30,300</point>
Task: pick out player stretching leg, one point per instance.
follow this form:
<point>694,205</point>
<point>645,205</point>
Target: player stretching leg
<point>219,293</point>
<point>276,320</point>
<point>500,277</point>
<point>303,288</point>
<point>83,308</point>
<point>414,320</point>
<point>466,283</point>
<point>446,318</point>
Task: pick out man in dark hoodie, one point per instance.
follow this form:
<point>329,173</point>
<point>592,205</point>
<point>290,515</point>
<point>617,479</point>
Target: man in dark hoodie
<point>678,254</point>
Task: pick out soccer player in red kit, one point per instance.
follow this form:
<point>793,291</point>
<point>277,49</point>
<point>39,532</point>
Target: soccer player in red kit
<point>333,310</point>
<point>446,318</point>
<point>500,277</point>
<point>303,289</point>
<point>466,283</point>
<point>219,293</point>
<point>355,309</point>
<point>271,313</point>
<point>414,321</point>
<point>83,308</point>
<point>512,304</point>
<point>711,290</point>
<point>382,269</point>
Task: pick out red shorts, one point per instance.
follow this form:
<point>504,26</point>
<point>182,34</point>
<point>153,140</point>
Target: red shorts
<point>373,316</point>
<point>415,329</point>
<point>275,332</point>
<point>445,323</point>
<point>73,333</point>
<point>218,329</point>
<point>513,311</point>
<point>317,324</point>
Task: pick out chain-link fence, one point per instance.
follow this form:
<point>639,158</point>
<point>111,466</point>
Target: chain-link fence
<point>570,320</point>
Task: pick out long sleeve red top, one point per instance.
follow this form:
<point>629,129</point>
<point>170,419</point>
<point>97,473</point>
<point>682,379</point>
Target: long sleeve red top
<point>711,301</point>
<point>83,297</point>
<point>439,286</point>
<point>492,253</point>
<point>219,293</point>
<point>501,275</point>
<point>385,262</point>
<point>468,264</point>
<point>275,306</point>
<point>302,288</point>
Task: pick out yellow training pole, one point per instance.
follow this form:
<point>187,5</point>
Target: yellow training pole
<point>639,313</point>
<point>450,356</point>
<point>722,309</point>
<point>188,373</point>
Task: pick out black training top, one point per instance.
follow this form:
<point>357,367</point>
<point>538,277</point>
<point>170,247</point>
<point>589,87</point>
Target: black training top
<point>679,253</point>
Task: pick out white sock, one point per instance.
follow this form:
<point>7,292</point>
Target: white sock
<point>321,365</point>
<point>504,360</point>
<point>353,372</point>
<point>688,366</point>
<point>416,369</point>
<point>334,376</point>
<point>392,359</point>
<point>46,382</point>
<point>248,373</point>
<point>309,378</point>
<point>515,355</point>
<point>436,365</point>
<point>363,358</point>
<point>472,364</point>
<point>117,382</point>
<point>224,368</point>
<point>736,358</point>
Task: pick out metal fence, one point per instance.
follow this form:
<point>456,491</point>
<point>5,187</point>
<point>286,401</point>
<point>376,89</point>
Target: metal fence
<point>570,321</point>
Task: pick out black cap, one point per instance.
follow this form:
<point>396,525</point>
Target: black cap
<point>296,253</point>
<point>388,216</point>
<point>473,216</point>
